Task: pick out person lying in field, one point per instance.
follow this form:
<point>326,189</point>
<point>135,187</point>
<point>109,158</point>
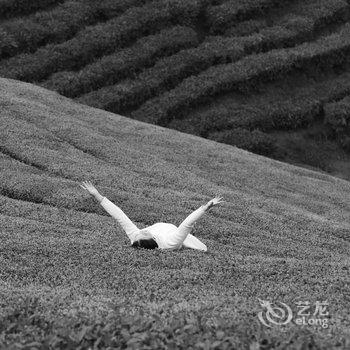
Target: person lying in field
<point>160,235</point>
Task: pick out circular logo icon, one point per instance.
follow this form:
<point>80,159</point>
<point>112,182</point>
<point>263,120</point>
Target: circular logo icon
<point>274,315</point>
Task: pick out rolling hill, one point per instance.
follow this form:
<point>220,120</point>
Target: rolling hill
<point>268,76</point>
<point>69,278</point>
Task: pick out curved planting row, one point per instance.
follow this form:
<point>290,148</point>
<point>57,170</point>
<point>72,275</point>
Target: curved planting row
<point>322,10</point>
<point>224,18</point>
<point>247,27</point>
<point>99,40</point>
<point>277,115</point>
<point>221,17</point>
<point>337,114</point>
<point>337,117</point>
<point>11,8</point>
<point>58,24</point>
<point>109,69</point>
<point>245,74</point>
<point>275,109</point>
<point>165,74</point>
<point>254,141</point>
<point>170,71</point>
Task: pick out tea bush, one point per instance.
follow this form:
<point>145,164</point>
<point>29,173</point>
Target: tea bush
<point>127,62</point>
<point>11,8</point>
<point>100,39</point>
<point>221,17</point>
<point>58,24</point>
<point>254,141</point>
<point>243,75</point>
<point>337,117</point>
<point>170,71</point>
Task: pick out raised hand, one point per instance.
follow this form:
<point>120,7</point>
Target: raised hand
<point>215,201</point>
<point>88,186</point>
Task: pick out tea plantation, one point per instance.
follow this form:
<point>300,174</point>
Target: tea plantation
<point>70,280</point>
<point>268,76</point>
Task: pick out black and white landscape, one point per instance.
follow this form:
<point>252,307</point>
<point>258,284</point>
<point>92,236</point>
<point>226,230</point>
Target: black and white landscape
<point>163,105</point>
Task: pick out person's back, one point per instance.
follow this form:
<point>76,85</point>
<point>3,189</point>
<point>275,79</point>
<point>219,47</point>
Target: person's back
<point>162,232</point>
<point>165,235</point>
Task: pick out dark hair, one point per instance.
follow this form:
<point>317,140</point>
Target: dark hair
<point>149,243</point>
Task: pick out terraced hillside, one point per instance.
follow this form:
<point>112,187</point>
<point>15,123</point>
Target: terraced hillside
<point>70,280</point>
<point>265,75</point>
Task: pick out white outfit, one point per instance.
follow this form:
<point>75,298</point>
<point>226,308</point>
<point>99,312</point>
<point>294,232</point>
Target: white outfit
<point>167,236</point>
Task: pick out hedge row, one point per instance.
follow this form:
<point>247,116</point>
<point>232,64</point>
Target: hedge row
<point>165,74</point>
<point>272,115</point>
<point>170,71</point>
<point>243,75</point>
<point>229,122</point>
<point>219,18</point>
<point>7,42</point>
<point>59,24</point>
<point>298,108</point>
<point>324,11</point>
<point>109,69</point>
<point>254,141</point>
<point>337,117</point>
<point>337,114</point>
<point>11,8</point>
<point>246,28</point>
<point>321,11</point>
<point>102,39</point>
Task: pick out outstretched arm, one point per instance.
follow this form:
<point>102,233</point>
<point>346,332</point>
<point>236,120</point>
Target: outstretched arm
<point>186,226</point>
<point>129,227</point>
<point>193,217</point>
<point>88,186</point>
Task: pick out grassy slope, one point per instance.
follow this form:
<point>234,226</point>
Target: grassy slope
<point>283,234</point>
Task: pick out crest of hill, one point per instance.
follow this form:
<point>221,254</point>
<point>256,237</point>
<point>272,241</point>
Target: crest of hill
<point>283,233</point>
